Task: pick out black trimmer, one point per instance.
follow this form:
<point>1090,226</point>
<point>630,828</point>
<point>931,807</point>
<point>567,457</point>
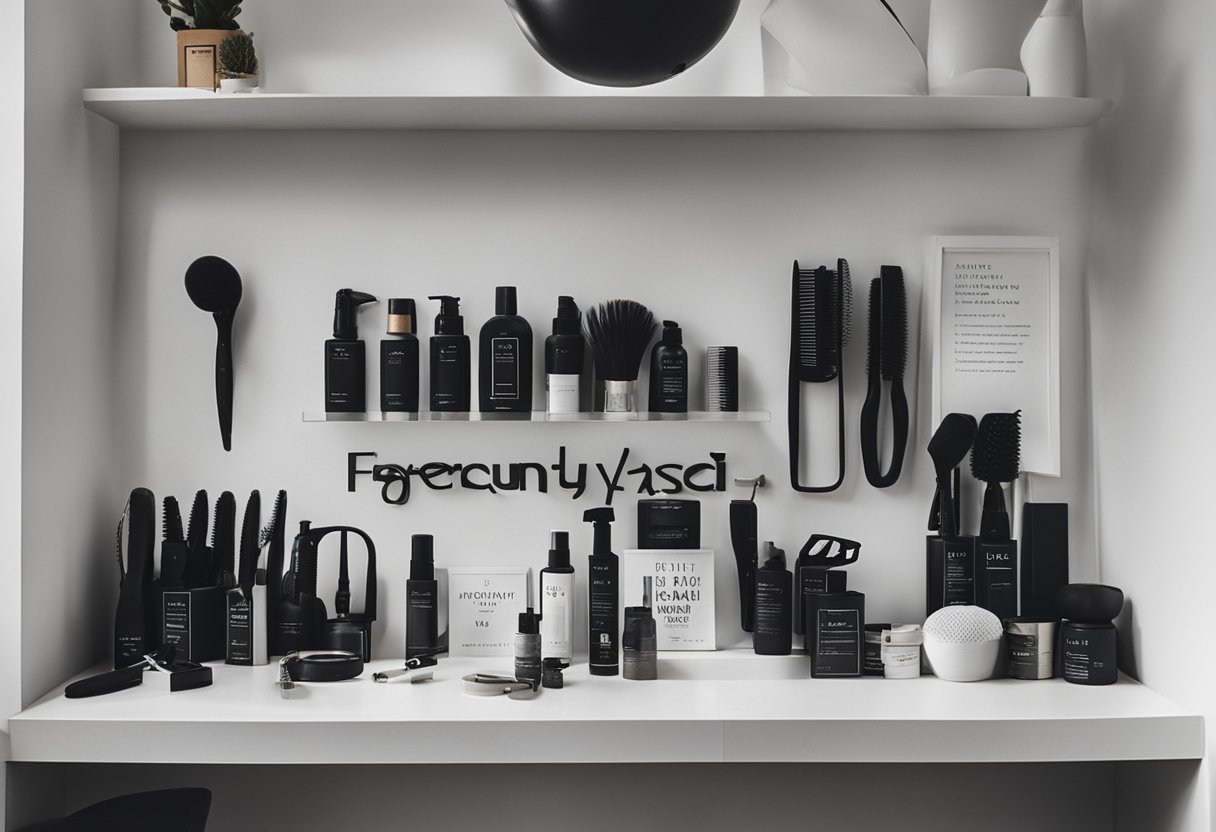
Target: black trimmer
<point>744,538</point>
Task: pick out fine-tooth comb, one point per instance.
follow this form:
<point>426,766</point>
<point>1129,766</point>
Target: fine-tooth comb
<point>174,552</point>
<point>820,326</point>
<point>249,550</point>
<point>885,361</point>
<point>171,523</point>
<point>223,540</point>
<point>198,564</point>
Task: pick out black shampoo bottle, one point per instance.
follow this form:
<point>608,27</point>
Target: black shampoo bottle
<point>399,359</point>
<point>450,392</point>
<point>603,586</point>
<point>504,378</point>
<point>669,372</point>
<point>346,356</point>
<point>773,633</point>
<point>564,355</point>
<point>421,596</point>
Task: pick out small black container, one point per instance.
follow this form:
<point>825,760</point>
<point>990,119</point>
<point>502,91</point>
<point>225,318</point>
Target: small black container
<point>835,633</point>
<point>1090,655</point>
<point>772,633</point>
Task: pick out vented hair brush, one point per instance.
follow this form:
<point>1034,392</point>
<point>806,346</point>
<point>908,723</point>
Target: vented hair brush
<point>887,355</point>
<point>820,326</point>
<point>996,458</point>
<point>619,332</point>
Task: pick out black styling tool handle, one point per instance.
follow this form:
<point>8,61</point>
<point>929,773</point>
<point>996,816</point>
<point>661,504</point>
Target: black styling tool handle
<point>342,598</point>
<point>108,682</point>
<point>899,435</point>
<point>223,375</point>
<point>900,422</point>
<point>744,531</point>
<point>869,428</point>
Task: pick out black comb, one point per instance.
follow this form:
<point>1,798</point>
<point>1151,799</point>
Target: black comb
<point>174,552</point>
<point>996,458</point>
<point>820,326</point>
<point>885,360</point>
<point>250,548</point>
<point>223,541</point>
<point>198,572</point>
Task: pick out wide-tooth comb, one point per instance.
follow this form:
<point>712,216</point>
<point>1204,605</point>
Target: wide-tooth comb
<point>171,522</point>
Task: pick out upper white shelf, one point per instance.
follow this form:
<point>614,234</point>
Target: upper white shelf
<point>171,108</point>
<point>761,717</point>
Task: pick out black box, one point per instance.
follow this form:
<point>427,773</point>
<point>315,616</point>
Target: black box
<point>835,635</point>
<point>1044,557</point>
<point>669,524</point>
<point>813,579</point>
<point>949,572</point>
<point>194,620</point>
<point>996,580</point>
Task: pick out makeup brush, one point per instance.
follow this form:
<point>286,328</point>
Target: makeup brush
<point>948,448</point>
<point>996,459</point>
<point>215,286</point>
<point>619,332</point>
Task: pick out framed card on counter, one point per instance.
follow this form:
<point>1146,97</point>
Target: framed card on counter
<point>683,602</point>
<point>994,311</point>
<point>484,604</point>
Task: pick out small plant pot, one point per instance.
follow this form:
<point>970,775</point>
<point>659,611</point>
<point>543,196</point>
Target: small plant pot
<point>240,84</point>
<point>198,57</point>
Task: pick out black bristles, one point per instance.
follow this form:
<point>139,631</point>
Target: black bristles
<point>874,342</point>
<point>619,332</point>
<point>997,454</point>
<point>894,318</point>
<point>846,294</point>
<point>171,521</point>
<point>197,530</point>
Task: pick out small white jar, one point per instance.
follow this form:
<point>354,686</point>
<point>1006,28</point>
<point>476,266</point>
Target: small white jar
<point>901,651</point>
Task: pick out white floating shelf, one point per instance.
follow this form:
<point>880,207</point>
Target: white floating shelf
<point>243,719</point>
<point>541,416</point>
<point>170,108</point>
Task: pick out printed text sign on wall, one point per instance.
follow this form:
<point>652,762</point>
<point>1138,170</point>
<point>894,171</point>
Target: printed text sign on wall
<point>668,478</point>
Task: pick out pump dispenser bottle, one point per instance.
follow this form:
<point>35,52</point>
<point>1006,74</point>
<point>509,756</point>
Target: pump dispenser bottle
<point>603,588</point>
<point>450,391</point>
<point>557,600</point>
<point>421,599</point>
<point>564,351</point>
<point>346,356</point>
<point>399,359</point>
<point>773,634</point>
<point>669,372</point>
<point>504,377</point>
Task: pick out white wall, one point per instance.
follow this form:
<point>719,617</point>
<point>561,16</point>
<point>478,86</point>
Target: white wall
<point>12,172</point>
<point>71,497</point>
<point>1150,292</point>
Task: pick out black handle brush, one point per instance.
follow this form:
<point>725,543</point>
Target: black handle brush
<point>886,359</point>
<point>948,448</point>
<point>997,459</point>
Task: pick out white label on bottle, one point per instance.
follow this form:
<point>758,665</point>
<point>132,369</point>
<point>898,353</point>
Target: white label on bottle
<point>563,393</point>
<point>556,623</point>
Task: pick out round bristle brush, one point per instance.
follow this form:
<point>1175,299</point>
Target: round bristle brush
<point>619,332</point>
<point>996,458</point>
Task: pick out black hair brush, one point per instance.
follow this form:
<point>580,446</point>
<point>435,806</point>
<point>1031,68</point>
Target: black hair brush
<point>885,361</point>
<point>820,325</point>
<point>996,459</point>
<point>948,448</point>
<point>619,332</point>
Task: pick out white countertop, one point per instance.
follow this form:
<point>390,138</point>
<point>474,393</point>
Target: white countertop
<point>242,718</point>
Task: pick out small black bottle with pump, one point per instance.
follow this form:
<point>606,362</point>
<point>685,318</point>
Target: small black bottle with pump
<point>504,378</point>
<point>399,359</point>
<point>450,390</point>
<point>564,356</point>
<point>346,356</point>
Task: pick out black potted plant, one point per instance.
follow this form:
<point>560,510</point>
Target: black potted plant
<point>201,26</point>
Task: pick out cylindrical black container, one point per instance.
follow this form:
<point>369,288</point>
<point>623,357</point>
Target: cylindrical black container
<point>1089,653</point>
<point>1030,646</point>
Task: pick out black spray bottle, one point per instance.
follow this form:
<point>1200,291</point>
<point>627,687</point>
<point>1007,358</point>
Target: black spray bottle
<point>346,356</point>
<point>603,587</point>
<point>504,378</point>
<point>399,359</point>
<point>669,372</point>
<point>421,599</point>
<point>450,391</point>
<point>564,354</point>
<point>773,633</point>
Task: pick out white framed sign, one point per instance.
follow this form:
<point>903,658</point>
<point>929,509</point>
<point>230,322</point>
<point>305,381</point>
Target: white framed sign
<point>484,604</point>
<point>683,602</point>
<point>994,310</point>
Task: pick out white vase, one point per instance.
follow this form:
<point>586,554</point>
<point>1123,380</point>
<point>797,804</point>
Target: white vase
<point>975,45</point>
<point>838,47</point>
<point>245,84</point>
<point>1054,52</point>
